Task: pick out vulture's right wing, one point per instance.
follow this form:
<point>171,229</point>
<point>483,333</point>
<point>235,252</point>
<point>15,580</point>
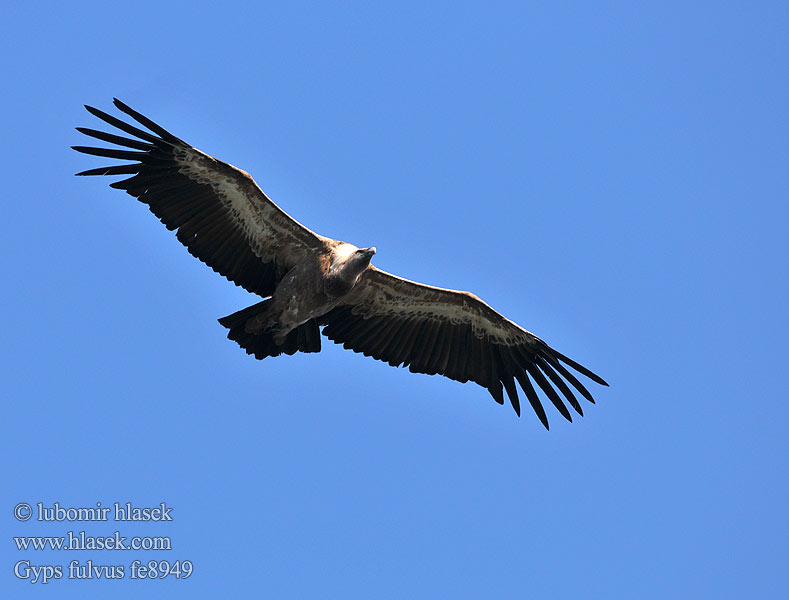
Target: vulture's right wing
<point>221,215</point>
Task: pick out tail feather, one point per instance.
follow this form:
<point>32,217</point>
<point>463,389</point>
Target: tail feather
<point>305,338</point>
<point>240,318</point>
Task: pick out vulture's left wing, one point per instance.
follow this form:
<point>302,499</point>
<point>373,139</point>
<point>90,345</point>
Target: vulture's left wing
<point>455,334</point>
<point>221,215</point>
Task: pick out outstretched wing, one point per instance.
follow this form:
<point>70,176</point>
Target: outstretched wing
<point>455,334</point>
<point>221,215</point>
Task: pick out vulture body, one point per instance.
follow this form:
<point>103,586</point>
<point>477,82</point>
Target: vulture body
<point>308,281</point>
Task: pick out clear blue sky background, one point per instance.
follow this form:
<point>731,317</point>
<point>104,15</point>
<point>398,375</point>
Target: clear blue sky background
<point>611,176</point>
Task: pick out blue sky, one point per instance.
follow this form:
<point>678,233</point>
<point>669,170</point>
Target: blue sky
<point>612,177</point>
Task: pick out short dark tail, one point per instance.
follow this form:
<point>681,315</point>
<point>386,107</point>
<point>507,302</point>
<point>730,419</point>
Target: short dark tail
<point>305,338</point>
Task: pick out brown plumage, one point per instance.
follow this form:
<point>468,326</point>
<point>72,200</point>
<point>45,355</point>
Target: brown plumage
<point>308,281</point>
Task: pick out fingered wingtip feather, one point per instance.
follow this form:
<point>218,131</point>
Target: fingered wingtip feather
<point>580,368</point>
<point>112,170</point>
<point>497,392</point>
<point>116,139</point>
<point>88,172</point>
<point>123,126</point>
<point>564,372</point>
<point>551,393</point>
<point>532,397</point>
<point>543,365</point>
<point>145,121</point>
<point>512,394</point>
<point>85,149</point>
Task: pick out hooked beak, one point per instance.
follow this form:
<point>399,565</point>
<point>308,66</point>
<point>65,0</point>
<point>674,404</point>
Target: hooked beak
<point>366,255</point>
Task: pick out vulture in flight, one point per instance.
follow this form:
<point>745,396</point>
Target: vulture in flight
<point>308,281</point>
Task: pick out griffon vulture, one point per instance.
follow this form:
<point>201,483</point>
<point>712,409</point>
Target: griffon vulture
<point>309,281</point>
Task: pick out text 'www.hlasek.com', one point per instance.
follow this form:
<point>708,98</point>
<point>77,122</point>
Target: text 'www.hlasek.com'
<point>77,540</point>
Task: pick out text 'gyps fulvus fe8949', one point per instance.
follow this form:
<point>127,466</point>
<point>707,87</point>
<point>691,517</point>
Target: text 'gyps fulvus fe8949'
<point>308,281</point>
